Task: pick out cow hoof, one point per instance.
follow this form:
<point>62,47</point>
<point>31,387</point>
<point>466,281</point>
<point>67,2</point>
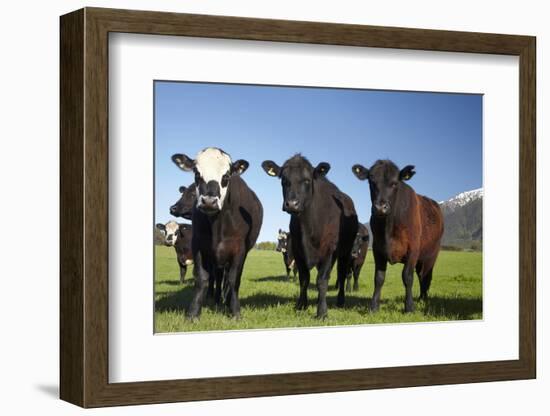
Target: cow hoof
<point>193,318</point>
<point>409,308</point>
<point>321,316</point>
<point>374,307</point>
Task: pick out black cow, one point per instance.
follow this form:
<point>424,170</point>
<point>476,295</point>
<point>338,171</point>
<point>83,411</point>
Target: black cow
<point>406,228</point>
<point>227,217</point>
<point>184,207</point>
<point>284,245</point>
<point>323,225</point>
<point>358,255</point>
<point>179,236</point>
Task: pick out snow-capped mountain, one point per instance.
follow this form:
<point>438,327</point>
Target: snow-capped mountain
<point>462,215</point>
<point>461,199</point>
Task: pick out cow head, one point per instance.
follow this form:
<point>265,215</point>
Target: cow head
<point>184,207</point>
<point>170,232</point>
<point>360,239</point>
<point>385,179</point>
<point>282,241</point>
<point>213,172</point>
<point>297,179</point>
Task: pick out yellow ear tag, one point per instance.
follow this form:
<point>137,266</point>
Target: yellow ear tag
<point>271,172</point>
<point>357,170</point>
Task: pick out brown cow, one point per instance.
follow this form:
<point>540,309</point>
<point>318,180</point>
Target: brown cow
<point>406,228</point>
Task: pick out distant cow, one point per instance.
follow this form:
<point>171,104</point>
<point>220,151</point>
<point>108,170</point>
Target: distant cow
<point>179,236</point>
<point>358,255</point>
<point>284,245</point>
<point>323,224</point>
<point>406,228</point>
<point>227,218</point>
<point>184,207</point>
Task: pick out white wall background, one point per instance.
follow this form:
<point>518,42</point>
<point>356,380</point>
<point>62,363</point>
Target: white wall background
<point>29,206</point>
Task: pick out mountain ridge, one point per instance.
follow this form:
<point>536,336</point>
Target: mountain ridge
<point>463,219</point>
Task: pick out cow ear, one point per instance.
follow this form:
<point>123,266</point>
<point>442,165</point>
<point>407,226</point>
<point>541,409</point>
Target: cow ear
<point>183,162</point>
<point>239,167</point>
<point>271,168</point>
<point>182,189</point>
<point>360,171</point>
<point>161,227</point>
<point>321,170</point>
<point>406,173</point>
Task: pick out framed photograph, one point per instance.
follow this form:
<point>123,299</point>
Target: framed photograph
<point>255,207</point>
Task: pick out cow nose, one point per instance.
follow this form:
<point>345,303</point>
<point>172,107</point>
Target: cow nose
<point>382,208</point>
<point>209,202</point>
<point>292,204</point>
<point>208,199</point>
<point>173,209</point>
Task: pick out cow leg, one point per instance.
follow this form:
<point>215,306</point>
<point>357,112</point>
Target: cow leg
<point>201,284</point>
<point>323,276</point>
<point>356,272</point>
<point>183,271</point>
<point>379,277</point>
<point>211,283</point>
<point>348,281</point>
<point>333,260</point>
<point>303,275</point>
<point>232,283</point>
<point>425,282</point>
<point>239,275</point>
<point>343,275</point>
<point>408,278</point>
<point>218,286</point>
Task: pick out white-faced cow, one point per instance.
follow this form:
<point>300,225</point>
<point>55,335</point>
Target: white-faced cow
<point>227,218</point>
<point>406,228</point>
<point>323,225</point>
<point>179,236</point>
<point>284,245</point>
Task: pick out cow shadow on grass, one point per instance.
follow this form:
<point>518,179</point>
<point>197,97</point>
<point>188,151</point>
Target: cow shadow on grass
<point>174,301</point>
<point>265,300</point>
<point>458,308</point>
<point>175,282</point>
<point>280,278</point>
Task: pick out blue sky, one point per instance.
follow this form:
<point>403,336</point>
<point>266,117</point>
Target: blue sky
<point>441,134</point>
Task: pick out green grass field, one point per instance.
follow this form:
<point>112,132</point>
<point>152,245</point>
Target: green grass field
<point>267,298</point>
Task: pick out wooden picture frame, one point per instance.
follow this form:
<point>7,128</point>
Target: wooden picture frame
<point>84,207</point>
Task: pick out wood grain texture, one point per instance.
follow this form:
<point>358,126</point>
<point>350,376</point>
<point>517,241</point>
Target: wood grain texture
<point>71,203</point>
<point>84,207</point>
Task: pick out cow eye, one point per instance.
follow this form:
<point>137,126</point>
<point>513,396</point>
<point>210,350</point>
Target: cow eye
<point>225,180</point>
<point>307,181</point>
